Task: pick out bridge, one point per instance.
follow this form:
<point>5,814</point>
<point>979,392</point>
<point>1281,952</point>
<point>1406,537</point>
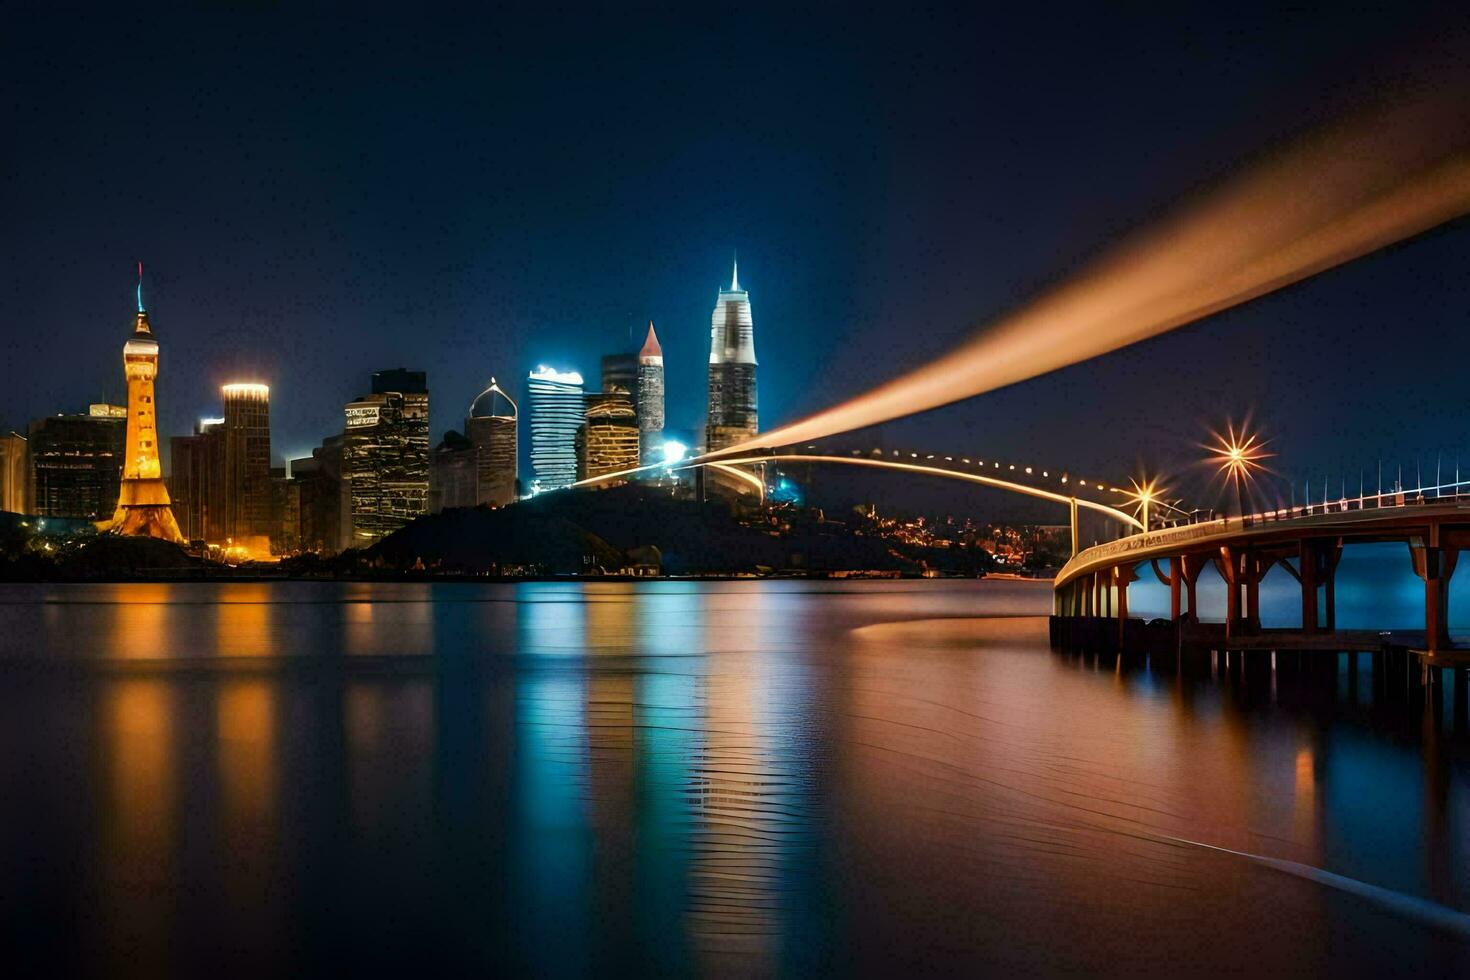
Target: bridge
<point>1043,483</point>
<point>1433,523</point>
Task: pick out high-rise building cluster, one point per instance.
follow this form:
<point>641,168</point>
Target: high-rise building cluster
<point>381,471</point>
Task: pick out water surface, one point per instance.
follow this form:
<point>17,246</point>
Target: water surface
<point>733,778</point>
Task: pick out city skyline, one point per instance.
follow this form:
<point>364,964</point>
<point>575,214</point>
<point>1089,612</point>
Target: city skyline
<point>849,250</point>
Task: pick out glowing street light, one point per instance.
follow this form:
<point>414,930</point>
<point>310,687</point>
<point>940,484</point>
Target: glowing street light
<point>674,451</point>
<point>1238,456</point>
<point>1144,494</point>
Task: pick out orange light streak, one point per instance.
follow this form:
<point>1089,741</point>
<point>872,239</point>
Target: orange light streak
<point>1340,193</point>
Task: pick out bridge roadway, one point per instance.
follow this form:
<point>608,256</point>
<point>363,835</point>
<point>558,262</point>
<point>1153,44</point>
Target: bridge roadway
<point>1094,583</point>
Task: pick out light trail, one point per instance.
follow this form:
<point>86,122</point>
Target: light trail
<point>1338,194</point>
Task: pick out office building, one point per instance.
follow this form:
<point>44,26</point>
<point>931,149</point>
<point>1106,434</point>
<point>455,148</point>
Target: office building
<point>609,439</point>
<point>620,374</point>
<point>491,426</point>
<point>15,473</point>
<point>76,462</point>
<point>454,473</point>
<point>196,464</point>
<point>386,455</point>
<point>557,409</point>
<point>319,498</point>
<point>245,488</point>
<point>649,399</point>
<point>732,415</point>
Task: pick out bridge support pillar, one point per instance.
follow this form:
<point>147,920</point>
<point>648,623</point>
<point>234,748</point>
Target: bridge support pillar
<point>1331,555</point>
<point>1122,575</point>
<point>1076,543</point>
<point>1435,565</point>
<point>1242,571</point>
<point>1190,567</point>
<point>1307,562</point>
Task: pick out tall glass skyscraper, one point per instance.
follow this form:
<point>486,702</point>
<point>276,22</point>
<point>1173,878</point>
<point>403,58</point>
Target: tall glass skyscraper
<point>650,400</point>
<point>246,486</point>
<point>557,412</point>
<point>732,413</point>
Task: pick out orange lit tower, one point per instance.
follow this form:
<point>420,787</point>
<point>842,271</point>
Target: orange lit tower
<point>143,504</point>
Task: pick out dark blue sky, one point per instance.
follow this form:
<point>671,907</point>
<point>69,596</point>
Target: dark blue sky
<point>318,195</point>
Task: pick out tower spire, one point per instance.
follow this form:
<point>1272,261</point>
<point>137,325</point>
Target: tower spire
<point>735,274</point>
<point>140,286</point>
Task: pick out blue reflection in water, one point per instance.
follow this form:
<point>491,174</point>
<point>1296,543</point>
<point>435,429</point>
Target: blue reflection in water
<point>551,854</point>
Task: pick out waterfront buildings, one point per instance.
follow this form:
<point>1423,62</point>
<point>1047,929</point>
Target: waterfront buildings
<point>609,438</point>
<point>76,462</point>
<point>557,412</point>
<point>649,399</point>
<point>386,454</point>
<point>491,426</point>
<point>454,473</point>
<point>732,415</point>
<point>15,473</point>
<point>245,443</point>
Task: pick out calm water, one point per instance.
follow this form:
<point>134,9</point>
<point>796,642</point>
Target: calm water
<point>744,778</point>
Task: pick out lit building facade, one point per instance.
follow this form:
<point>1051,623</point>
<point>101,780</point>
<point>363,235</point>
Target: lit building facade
<point>557,409</point>
<point>649,400</point>
<point>491,426</point>
<point>386,455</point>
<point>732,415</point>
<point>76,462</point>
<point>15,473</point>
<point>142,502</point>
<point>245,487</point>
<point>609,439</point>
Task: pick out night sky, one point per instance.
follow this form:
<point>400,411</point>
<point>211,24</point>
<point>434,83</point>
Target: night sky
<point>316,196</point>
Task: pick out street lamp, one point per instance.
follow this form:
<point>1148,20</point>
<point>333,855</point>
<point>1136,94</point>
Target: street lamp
<point>1238,456</point>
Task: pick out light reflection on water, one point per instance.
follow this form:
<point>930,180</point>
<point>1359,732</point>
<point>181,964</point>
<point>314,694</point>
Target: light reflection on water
<point>740,778</point>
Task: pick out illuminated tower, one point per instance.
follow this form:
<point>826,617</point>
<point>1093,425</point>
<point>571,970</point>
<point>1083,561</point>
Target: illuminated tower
<point>732,394</point>
<point>650,400</point>
<point>142,504</point>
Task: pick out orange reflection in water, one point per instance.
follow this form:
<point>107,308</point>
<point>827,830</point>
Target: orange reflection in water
<point>246,731</point>
<point>243,626</point>
<point>139,625</point>
<point>738,843</point>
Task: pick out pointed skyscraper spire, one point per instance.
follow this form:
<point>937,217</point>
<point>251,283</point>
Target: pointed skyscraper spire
<point>650,345</point>
<point>735,274</point>
<point>140,286</point>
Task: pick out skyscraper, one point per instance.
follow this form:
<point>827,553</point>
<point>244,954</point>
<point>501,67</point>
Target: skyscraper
<point>650,399</point>
<point>620,373</point>
<point>491,426</point>
<point>732,413</point>
<point>610,437</point>
<point>385,458</point>
<point>246,486</point>
<point>15,473</point>
<point>76,462</point>
<point>557,409</point>
<point>319,490</point>
<point>196,463</point>
<point>142,502</point>
<point>454,473</point>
